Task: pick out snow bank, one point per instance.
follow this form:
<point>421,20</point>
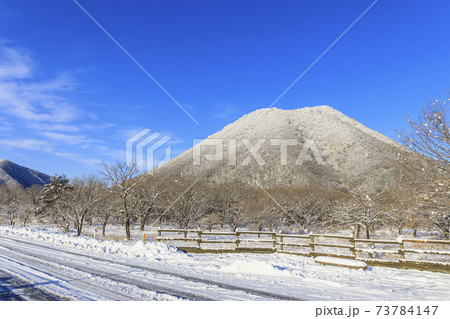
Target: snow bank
<point>150,251</point>
<point>341,262</point>
<point>255,268</point>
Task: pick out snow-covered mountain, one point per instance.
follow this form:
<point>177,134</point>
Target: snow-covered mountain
<point>350,152</point>
<point>14,175</point>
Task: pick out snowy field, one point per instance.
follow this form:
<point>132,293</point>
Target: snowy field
<point>84,268</point>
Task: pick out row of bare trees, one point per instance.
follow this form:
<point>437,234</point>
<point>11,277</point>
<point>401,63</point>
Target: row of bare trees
<point>120,194</point>
<point>20,205</point>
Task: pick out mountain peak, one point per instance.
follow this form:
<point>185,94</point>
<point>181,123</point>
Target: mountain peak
<point>13,175</point>
<point>303,109</point>
<point>351,152</point>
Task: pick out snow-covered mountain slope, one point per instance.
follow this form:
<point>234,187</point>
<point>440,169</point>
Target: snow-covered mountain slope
<point>351,152</point>
<point>14,175</point>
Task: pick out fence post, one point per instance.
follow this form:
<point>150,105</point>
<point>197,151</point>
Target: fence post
<point>199,240</point>
<point>354,247</point>
<point>311,244</point>
<point>274,241</point>
<point>159,235</point>
<point>281,242</point>
<point>237,239</point>
<point>402,250</point>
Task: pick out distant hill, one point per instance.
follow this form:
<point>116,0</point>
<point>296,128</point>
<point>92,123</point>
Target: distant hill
<point>12,174</point>
<point>351,152</point>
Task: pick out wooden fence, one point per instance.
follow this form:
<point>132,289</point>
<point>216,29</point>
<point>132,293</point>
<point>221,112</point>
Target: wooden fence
<point>423,254</point>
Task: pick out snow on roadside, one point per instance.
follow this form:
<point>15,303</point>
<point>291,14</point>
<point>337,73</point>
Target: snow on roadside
<point>148,251</point>
<point>255,268</point>
<point>341,262</point>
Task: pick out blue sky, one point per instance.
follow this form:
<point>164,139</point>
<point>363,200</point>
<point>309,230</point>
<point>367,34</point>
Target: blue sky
<point>70,97</point>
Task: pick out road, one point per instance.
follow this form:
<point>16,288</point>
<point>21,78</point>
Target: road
<point>13,289</point>
<point>32,270</point>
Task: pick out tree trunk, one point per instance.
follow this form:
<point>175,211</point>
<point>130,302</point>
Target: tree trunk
<point>400,230</point>
<point>143,222</point>
<point>415,232</point>
<point>358,230</point>
<point>127,228</point>
<point>25,220</point>
<point>367,232</point>
<point>103,229</point>
<point>80,225</point>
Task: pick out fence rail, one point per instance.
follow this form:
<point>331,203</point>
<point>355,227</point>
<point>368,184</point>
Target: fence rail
<point>423,254</point>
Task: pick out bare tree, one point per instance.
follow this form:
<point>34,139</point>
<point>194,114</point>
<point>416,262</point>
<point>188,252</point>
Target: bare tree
<point>210,220</point>
<point>105,209</point>
<point>362,210</point>
<point>147,195</point>
<point>9,202</point>
<point>30,205</point>
<point>310,210</point>
<point>123,180</point>
<point>305,207</point>
<point>185,202</point>
<point>79,200</point>
<point>403,208</point>
<point>429,137</point>
<point>262,212</point>
<point>227,201</point>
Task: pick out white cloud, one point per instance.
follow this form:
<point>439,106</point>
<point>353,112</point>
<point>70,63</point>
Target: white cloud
<point>27,144</point>
<point>15,64</point>
<point>47,147</point>
<point>27,99</point>
<point>68,139</point>
<point>32,107</point>
<point>68,128</point>
<point>39,115</point>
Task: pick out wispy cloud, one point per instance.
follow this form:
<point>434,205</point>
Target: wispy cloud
<point>15,64</point>
<point>5,125</point>
<point>39,115</point>
<point>31,144</point>
<point>30,107</point>
<point>69,139</point>
<point>27,99</point>
<point>36,101</point>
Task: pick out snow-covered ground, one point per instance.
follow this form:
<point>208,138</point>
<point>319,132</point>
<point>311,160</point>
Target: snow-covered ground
<point>90,269</point>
